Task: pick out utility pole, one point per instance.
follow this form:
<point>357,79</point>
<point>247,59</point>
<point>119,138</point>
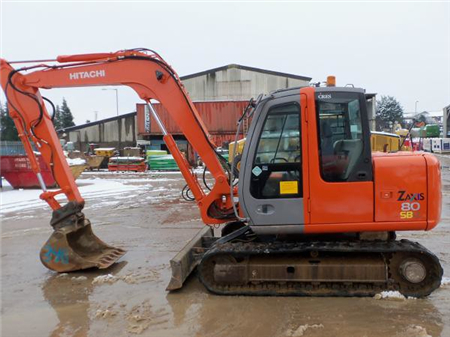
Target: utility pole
<point>117,99</point>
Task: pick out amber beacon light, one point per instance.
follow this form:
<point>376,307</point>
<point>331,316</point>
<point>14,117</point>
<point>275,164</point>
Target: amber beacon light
<point>331,81</point>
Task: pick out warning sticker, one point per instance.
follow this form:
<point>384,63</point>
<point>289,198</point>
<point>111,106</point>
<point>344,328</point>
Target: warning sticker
<point>256,170</point>
<point>288,187</point>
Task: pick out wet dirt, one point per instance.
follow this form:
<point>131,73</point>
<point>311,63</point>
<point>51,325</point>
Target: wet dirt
<point>129,299</point>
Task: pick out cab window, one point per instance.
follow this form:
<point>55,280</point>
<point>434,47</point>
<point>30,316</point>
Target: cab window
<point>276,169</point>
<point>341,141</point>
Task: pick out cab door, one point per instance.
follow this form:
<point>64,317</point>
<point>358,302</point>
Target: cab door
<point>340,164</point>
<point>271,182</point>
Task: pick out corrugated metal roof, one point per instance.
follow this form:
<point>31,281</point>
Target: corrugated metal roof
<point>101,121</point>
<point>238,66</point>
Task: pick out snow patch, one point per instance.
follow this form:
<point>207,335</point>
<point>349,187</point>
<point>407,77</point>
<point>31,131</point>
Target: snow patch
<point>159,189</point>
<point>104,149</point>
<point>127,158</point>
<point>131,180</point>
<point>113,173</point>
<point>392,295</point>
<point>104,313</point>
<point>104,204</point>
<point>76,161</point>
<point>79,278</point>
<point>417,331</point>
<point>110,279</point>
<point>302,329</point>
<point>445,281</point>
<point>102,279</point>
<point>19,200</point>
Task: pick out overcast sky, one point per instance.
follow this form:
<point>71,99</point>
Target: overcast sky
<point>399,49</point>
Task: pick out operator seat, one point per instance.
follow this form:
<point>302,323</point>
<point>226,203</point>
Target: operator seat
<point>352,149</point>
<point>326,138</point>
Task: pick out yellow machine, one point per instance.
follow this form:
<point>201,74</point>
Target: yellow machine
<point>239,149</point>
<point>384,141</point>
<point>105,151</point>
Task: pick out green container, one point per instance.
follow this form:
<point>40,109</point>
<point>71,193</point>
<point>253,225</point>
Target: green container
<point>430,131</point>
<point>162,163</point>
<point>155,152</point>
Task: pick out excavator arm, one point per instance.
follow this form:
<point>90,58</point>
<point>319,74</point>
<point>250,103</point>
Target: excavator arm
<point>152,79</point>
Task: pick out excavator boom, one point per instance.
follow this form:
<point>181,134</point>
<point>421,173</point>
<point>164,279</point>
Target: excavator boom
<point>73,245</point>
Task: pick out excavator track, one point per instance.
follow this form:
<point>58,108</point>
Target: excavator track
<point>346,268</point>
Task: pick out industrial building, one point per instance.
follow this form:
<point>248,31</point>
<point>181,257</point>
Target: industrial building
<point>238,82</point>
<point>118,132</point>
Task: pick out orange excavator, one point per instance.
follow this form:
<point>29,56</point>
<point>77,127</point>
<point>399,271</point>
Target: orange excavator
<point>311,210</point>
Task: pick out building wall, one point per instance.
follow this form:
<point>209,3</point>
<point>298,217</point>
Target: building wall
<point>446,122</point>
<point>117,132</point>
<point>236,84</point>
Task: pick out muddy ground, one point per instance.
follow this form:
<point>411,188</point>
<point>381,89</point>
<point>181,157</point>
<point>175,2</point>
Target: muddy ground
<point>152,222</point>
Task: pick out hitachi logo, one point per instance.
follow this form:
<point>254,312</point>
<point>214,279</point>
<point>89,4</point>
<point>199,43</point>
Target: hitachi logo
<point>87,74</point>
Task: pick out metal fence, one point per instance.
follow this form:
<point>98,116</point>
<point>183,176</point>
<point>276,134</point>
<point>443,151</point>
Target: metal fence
<point>11,148</point>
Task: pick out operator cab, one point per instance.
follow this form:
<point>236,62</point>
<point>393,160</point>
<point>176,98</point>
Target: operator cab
<point>287,151</point>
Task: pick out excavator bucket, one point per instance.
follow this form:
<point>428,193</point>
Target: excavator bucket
<point>73,245</point>
<point>189,257</point>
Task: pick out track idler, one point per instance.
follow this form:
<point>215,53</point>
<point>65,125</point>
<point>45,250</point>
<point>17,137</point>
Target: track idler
<point>73,245</point>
